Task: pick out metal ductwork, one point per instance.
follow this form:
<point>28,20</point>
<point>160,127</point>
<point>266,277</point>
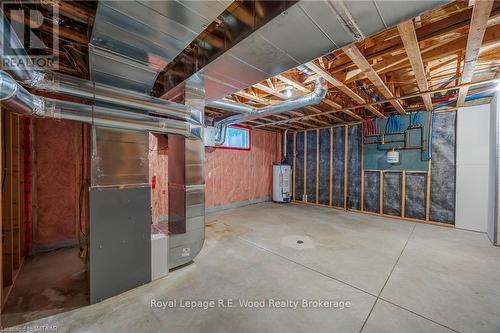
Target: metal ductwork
<point>132,41</point>
<point>22,67</point>
<point>273,48</point>
<point>121,119</point>
<point>72,86</point>
<point>315,97</point>
<point>230,106</point>
<point>17,99</point>
<point>23,70</point>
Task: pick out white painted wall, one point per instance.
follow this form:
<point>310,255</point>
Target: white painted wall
<point>473,191</point>
<point>493,218</point>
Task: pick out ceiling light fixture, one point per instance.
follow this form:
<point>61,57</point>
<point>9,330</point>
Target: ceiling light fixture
<point>288,92</point>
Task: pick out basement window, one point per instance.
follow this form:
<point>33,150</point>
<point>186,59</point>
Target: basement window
<point>237,137</point>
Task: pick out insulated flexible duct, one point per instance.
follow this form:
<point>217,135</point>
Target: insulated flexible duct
<point>315,97</point>
<point>23,70</point>
<point>17,99</point>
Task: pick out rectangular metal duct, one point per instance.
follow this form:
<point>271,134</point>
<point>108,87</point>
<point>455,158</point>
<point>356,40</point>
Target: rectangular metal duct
<point>134,40</point>
<point>119,158</point>
<point>305,31</point>
<point>186,185</point>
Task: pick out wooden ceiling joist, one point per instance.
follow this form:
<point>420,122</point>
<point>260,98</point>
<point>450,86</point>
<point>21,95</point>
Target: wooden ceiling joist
<point>330,116</point>
<point>351,108</point>
<point>269,90</point>
<point>357,57</point>
<point>293,83</point>
<point>478,25</point>
<point>339,107</point>
<point>332,103</point>
<point>251,97</point>
<point>410,42</point>
<point>341,86</point>
<point>449,49</point>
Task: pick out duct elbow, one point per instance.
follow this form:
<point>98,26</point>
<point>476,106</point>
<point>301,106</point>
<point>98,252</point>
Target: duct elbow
<point>220,133</point>
<point>19,100</point>
<point>320,90</point>
<point>8,87</point>
<point>195,131</point>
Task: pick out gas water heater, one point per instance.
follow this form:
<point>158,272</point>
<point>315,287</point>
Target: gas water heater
<point>282,189</point>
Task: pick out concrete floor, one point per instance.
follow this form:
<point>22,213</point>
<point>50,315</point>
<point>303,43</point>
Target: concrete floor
<point>398,277</point>
<point>48,283</point>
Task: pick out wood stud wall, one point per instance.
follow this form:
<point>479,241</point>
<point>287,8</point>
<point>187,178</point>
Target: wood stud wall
<point>331,170</point>
<point>380,209</point>
<point>12,194</point>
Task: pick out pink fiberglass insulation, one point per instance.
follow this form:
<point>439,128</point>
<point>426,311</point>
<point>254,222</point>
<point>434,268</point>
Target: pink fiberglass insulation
<point>158,174</point>
<point>230,175</point>
<point>58,167</point>
<point>238,175</point>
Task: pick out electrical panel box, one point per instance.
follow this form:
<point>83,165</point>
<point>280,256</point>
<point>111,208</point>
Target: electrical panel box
<point>282,189</point>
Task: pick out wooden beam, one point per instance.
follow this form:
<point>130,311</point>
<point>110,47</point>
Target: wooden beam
<point>7,225</point>
<point>410,42</point>
<point>320,121</point>
<point>252,97</point>
<point>69,9</point>
<point>270,83</point>
<point>349,108</point>
<point>313,109</point>
<point>332,103</point>
<point>342,87</point>
<point>293,83</point>
<point>478,25</point>
<point>281,116</point>
<point>339,107</point>
<point>61,31</point>
<point>357,57</point>
<point>15,194</point>
<point>352,114</point>
<point>2,112</point>
<point>295,113</point>
<point>437,30</point>
<point>269,90</point>
<point>316,110</point>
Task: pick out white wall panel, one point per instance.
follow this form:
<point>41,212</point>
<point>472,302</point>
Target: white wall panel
<point>473,203</point>
<point>493,218</point>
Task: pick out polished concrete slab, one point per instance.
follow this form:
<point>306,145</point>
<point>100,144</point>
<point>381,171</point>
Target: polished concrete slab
<point>48,283</point>
<point>269,252</point>
<point>387,317</point>
<point>451,276</point>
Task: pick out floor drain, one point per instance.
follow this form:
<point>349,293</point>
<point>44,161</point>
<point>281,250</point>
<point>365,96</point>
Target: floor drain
<point>300,241</point>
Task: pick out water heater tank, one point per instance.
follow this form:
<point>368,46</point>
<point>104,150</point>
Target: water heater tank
<point>282,188</point>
